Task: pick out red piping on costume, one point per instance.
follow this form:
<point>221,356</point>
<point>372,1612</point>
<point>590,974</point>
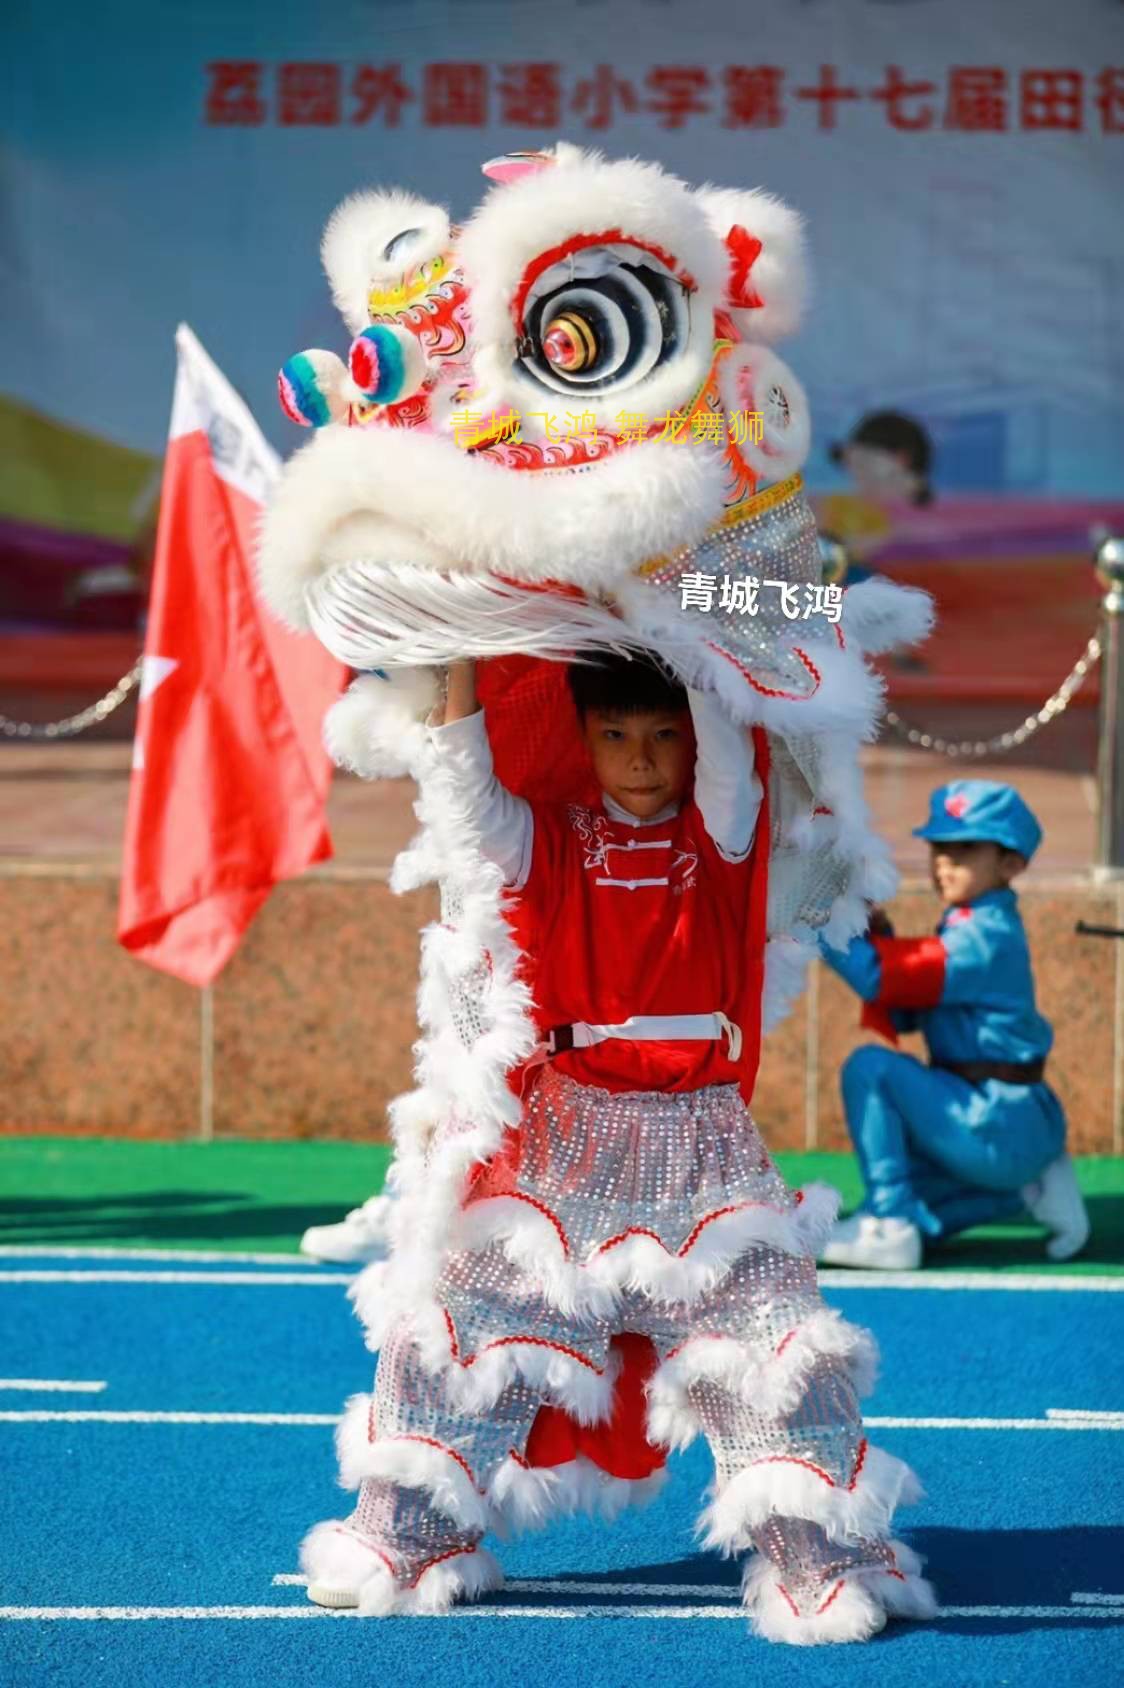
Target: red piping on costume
<point>431,1442</point>
<point>532,1342</point>
<point>771,691</point>
<point>636,1230</point>
<point>718,1336</point>
<point>450,1553</point>
<point>719,1213</point>
<point>371,1548</point>
<point>682,1250</point>
<point>576,243</point>
<point>792,1459</point>
<point>511,1341</point>
<point>832,1596</point>
<point>793,1608</point>
<point>541,1207</point>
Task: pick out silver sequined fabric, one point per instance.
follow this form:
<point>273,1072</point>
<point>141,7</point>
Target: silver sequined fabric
<point>600,1164</point>
<point>779,544</point>
<point>603,1161</point>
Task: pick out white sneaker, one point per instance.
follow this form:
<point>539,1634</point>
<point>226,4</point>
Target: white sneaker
<point>883,1245</point>
<point>338,1599</point>
<point>362,1236</point>
<point>1056,1202</point>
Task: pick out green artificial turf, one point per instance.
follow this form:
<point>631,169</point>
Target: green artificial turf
<point>69,1192</point>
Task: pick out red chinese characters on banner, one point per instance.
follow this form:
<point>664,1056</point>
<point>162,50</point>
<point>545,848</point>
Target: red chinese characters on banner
<point>827,94</point>
<point>595,97</point>
<point>1110,101</point>
<point>901,98</point>
<point>530,95</point>
<point>1051,99</point>
<point>378,91</point>
<point>455,95</point>
<point>234,94</point>
<point>676,93</point>
<point>753,96</point>
<point>977,98</point>
<point>308,94</point>
<point>974,99</point>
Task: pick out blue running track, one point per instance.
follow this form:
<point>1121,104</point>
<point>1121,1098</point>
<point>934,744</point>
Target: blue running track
<point>173,1533</point>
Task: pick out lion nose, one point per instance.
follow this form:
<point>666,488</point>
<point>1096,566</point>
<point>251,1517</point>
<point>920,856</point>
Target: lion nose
<point>387,364</point>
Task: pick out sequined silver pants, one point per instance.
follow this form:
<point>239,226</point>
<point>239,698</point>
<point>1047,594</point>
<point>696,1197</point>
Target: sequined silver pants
<point>660,1215</point>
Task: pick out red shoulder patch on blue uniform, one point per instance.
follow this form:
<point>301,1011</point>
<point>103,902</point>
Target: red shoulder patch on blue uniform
<point>957,915</point>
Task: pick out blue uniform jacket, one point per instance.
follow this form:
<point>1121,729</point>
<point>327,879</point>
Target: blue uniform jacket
<point>973,1003</point>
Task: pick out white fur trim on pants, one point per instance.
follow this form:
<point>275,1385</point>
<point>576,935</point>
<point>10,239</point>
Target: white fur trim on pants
<point>413,1462</point>
<point>336,1556</point>
<point>526,1497</point>
<point>642,1263</point>
<point>771,1383</point>
<point>785,1486</point>
<point>854,1607</point>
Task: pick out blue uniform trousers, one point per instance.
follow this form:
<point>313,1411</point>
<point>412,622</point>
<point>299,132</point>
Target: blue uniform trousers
<point>939,1151</point>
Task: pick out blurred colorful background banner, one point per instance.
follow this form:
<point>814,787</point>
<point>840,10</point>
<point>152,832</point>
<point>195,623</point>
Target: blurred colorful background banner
<point>960,167</point>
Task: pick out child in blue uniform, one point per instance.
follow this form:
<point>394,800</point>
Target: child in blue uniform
<point>977,1135</point>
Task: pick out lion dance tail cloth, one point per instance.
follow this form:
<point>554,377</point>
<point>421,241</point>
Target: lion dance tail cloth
<point>587,1275</point>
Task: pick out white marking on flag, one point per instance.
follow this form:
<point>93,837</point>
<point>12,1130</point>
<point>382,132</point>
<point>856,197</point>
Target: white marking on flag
<point>154,671</point>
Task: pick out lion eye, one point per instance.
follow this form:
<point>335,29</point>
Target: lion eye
<point>605,327</point>
<point>392,248</point>
<point>569,342</point>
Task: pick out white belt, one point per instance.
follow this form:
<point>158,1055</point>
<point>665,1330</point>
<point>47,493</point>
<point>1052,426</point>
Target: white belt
<point>667,1028</point>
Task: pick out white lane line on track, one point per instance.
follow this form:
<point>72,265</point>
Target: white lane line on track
<point>1082,1412</point>
<point>223,1256</point>
<point>77,1416</point>
<point>52,1383</point>
<point>728,1610</point>
<point>317,1280</point>
<point>36,1415</point>
<point>842,1278</point>
<point>1096,1599</point>
<point>534,1585</point>
<point>876,1423</point>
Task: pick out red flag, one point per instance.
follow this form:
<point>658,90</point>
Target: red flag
<point>230,778</point>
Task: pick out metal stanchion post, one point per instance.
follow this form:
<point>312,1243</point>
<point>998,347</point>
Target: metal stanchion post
<point>1109,862</point>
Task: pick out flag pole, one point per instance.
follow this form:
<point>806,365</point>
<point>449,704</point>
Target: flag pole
<point>206,1063</point>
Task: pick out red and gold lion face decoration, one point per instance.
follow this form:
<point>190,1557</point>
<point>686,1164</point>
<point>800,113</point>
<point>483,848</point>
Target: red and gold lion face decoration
<point>577,382</point>
<point>562,427</point>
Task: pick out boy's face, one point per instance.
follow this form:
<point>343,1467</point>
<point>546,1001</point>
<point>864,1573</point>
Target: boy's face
<point>643,761</point>
<point>879,474</point>
<point>963,872</point>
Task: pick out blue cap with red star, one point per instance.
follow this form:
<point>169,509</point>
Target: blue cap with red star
<point>981,811</point>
